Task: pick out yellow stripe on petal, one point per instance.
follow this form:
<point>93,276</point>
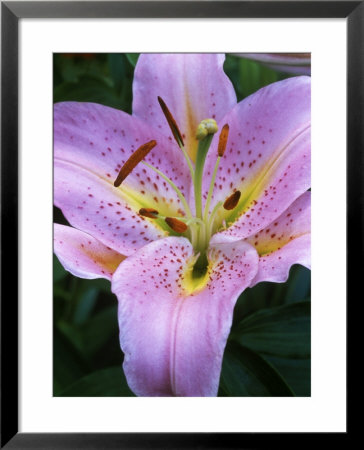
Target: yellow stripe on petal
<point>266,190</point>
<point>289,226</point>
<point>275,243</point>
<point>137,202</point>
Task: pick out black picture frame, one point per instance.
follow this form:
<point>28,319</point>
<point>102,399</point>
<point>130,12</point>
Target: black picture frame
<point>11,12</point>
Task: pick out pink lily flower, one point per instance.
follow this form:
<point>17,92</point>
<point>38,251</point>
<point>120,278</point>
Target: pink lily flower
<point>182,225</point>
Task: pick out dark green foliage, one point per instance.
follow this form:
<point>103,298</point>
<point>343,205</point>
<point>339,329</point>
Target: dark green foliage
<point>280,331</point>
<point>247,374</point>
<point>281,335</point>
<point>108,382</point>
<point>98,78</point>
<point>248,76</point>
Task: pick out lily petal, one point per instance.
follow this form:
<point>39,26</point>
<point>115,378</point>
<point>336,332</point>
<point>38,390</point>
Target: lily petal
<point>83,255</point>
<point>96,207</point>
<point>267,157</point>
<point>91,143</point>
<point>285,242</point>
<point>100,139</point>
<point>194,87</point>
<point>173,337</point>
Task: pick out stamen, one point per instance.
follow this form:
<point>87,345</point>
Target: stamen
<point>171,122</point>
<point>174,187</point>
<point>133,161</point>
<point>149,212</point>
<point>232,201</point>
<point>223,140</point>
<point>212,217</point>
<point>176,225</point>
<point>176,133</point>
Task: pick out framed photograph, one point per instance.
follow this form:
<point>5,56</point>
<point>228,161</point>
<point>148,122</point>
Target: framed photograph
<point>161,215</point>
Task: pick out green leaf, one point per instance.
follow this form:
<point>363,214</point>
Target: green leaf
<point>70,67</point>
<point>85,304</point>
<point>68,364</point>
<point>98,330</point>
<point>58,271</point>
<point>299,287</point>
<point>117,69</point>
<point>282,331</point>
<point>253,299</point>
<point>297,372</point>
<point>132,58</point>
<point>246,374</point>
<point>249,76</point>
<point>267,294</point>
<point>88,89</point>
<point>92,335</point>
<point>110,382</point>
<point>100,284</point>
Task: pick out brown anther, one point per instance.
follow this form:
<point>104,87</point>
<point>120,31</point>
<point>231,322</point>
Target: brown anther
<point>232,201</point>
<point>133,161</point>
<point>223,140</point>
<point>176,225</point>
<point>149,212</point>
<point>171,122</point>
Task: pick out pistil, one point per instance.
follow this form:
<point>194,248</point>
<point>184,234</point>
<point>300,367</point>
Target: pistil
<point>205,132</point>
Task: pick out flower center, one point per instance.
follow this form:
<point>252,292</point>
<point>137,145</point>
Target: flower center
<point>200,226</point>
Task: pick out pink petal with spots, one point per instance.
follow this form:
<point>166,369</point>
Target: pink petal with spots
<point>194,87</point>
<point>267,156</point>
<point>83,255</point>
<point>100,139</point>
<point>285,242</point>
<point>173,337</point>
<point>276,266</point>
<point>96,207</point>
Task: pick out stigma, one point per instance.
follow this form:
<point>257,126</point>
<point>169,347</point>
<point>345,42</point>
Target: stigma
<point>206,127</point>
